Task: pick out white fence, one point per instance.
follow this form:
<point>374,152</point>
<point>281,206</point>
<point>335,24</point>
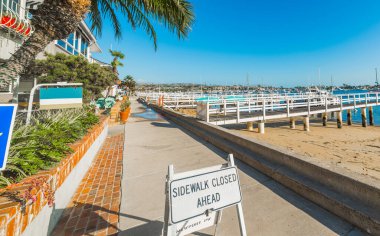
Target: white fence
<point>227,111</point>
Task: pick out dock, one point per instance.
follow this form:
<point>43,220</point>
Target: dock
<point>223,110</point>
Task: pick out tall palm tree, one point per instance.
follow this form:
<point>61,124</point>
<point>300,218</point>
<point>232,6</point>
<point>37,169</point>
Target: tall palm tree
<point>117,56</point>
<point>56,19</point>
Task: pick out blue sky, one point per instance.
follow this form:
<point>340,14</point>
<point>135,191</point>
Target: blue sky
<point>274,42</point>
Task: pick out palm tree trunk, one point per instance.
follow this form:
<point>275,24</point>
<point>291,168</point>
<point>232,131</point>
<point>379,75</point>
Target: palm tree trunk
<point>52,20</point>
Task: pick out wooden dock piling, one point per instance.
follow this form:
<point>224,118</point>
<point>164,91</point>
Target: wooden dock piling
<point>306,123</point>
<point>339,119</point>
<point>292,123</point>
<point>364,117</point>
<point>250,126</point>
<point>261,126</point>
<point>371,118</point>
<point>349,117</point>
<point>324,119</point>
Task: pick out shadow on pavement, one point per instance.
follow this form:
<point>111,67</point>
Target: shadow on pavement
<point>163,125</point>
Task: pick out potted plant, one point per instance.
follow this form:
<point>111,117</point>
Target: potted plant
<point>125,110</point>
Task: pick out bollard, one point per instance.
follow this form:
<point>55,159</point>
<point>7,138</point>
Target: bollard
<point>250,126</point>
<point>261,127</point>
<point>306,123</point>
<point>349,117</point>
<point>364,117</point>
<point>292,123</point>
<point>324,119</point>
<point>339,119</point>
<point>371,120</point>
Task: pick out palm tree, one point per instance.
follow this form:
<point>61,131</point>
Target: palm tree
<point>57,19</point>
<point>129,82</point>
<point>116,62</point>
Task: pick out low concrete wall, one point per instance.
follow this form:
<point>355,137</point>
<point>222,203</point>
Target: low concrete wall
<point>37,218</point>
<point>48,217</point>
<point>348,195</point>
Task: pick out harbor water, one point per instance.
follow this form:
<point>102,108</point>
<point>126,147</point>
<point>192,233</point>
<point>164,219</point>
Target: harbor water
<point>356,114</point>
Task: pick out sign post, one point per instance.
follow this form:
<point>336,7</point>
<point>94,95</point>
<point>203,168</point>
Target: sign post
<point>7,114</point>
<point>71,99</point>
<point>195,199</point>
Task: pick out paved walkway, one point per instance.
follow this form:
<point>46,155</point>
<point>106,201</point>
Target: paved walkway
<point>269,208</point>
<point>95,206</point>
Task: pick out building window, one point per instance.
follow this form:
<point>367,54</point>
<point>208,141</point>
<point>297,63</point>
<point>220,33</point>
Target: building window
<point>75,44</point>
<point>62,43</point>
<point>70,39</point>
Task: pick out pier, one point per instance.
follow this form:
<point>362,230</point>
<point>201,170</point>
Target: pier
<point>234,109</point>
<point>251,110</point>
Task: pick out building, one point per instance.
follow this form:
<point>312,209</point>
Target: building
<point>15,27</point>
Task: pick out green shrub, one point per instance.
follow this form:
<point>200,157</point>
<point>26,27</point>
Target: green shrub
<point>125,105</point>
<point>45,142</point>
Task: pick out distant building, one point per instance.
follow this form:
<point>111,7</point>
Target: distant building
<point>15,27</point>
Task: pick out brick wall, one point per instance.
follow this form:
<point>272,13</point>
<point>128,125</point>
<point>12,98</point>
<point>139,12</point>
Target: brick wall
<point>15,216</point>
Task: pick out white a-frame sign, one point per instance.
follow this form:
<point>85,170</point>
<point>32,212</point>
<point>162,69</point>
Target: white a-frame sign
<point>195,199</point>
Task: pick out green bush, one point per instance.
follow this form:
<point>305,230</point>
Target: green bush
<point>45,142</point>
<point>124,105</point>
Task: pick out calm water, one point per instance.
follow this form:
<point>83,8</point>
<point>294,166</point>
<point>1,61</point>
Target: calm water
<point>356,115</point>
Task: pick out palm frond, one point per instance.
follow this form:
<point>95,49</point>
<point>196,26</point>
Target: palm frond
<point>175,15</point>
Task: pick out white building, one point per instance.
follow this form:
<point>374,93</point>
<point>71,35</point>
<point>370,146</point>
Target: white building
<point>15,27</point>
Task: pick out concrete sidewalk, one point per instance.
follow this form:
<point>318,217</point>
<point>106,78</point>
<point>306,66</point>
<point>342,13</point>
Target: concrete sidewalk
<point>269,208</point>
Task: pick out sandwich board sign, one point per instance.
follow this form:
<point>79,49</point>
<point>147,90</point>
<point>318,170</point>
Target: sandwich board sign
<point>195,199</point>
<point>7,118</point>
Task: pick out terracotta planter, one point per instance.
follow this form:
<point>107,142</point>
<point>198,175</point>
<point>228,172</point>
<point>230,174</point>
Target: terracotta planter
<point>124,115</point>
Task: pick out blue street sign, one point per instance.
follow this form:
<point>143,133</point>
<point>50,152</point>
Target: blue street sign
<point>7,118</point>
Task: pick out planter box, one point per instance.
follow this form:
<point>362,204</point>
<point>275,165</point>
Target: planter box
<point>39,218</point>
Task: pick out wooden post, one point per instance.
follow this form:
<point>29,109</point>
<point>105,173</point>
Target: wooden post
<point>292,123</point>
<point>249,105</point>
<point>207,112</point>
<point>250,126</point>
<point>264,109</point>
<point>306,124</point>
<point>287,107</point>
<point>371,120</point>
<point>261,126</point>
<point>324,118</point>
<point>339,119</point>
<point>364,117</point>
<point>225,107</point>
<point>349,117</point>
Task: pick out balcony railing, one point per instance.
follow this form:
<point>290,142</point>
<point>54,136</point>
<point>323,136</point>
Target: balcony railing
<point>15,18</point>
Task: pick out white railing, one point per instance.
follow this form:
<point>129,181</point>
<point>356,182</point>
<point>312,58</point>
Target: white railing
<point>287,106</point>
<point>189,100</point>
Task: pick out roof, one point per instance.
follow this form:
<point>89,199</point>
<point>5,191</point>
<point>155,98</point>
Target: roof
<point>94,45</point>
